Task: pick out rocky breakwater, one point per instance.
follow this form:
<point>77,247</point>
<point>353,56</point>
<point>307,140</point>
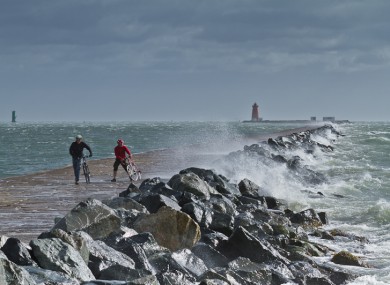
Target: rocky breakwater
<point>196,228</point>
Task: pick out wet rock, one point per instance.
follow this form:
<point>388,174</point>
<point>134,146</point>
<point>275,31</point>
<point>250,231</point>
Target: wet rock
<point>249,203</point>
<point>148,243</point>
<point>149,183</point>
<point>153,202</point>
<point>308,218</point>
<point>164,263</point>
<point>164,189</point>
<point>211,257</point>
<point>122,272</point>
<point>323,234</point>
<point>222,223</point>
<point>305,273</point>
<point>190,182</point>
<point>222,204</point>
<point>219,182</point>
<point>125,203</point>
<point>248,188</point>
<point>127,218</point>
<point>44,276</point>
<point>337,233</point>
<point>190,262</point>
<point>214,282</point>
<point>294,163</point>
<point>133,250</point>
<point>213,276</point>
<point>212,238</point>
<point>274,143</point>
<point>323,217</point>
<point>242,244</point>
<point>258,149</point>
<point>199,213</point>
<point>273,203</point>
<point>3,239</point>
<point>279,158</point>
<point>103,257</point>
<point>337,275</point>
<point>346,258</point>
<point>174,277</point>
<point>104,282</point>
<point>74,239</point>
<point>56,255</point>
<point>92,217</point>
<point>307,248</point>
<point>148,280</point>
<point>17,252</point>
<point>132,190</point>
<point>251,271</point>
<point>187,197</point>
<point>12,274</point>
<point>171,229</point>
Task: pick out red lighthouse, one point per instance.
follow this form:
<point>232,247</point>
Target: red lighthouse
<point>255,113</point>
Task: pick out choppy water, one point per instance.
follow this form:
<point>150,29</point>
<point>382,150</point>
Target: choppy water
<point>358,169</point>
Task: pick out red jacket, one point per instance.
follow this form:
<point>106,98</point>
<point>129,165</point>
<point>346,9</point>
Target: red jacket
<point>120,152</point>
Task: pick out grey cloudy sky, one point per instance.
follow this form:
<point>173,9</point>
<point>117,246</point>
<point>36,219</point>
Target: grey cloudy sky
<point>132,60</point>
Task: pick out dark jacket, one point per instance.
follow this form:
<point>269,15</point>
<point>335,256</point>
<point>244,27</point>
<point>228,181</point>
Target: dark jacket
<point>76,149</point>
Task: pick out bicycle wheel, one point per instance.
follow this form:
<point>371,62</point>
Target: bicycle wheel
<point>133,173</point>
<point>86,173</point>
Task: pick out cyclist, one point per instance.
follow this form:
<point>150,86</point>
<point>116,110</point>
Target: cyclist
<point>76,151</point>
<point>120,155</point>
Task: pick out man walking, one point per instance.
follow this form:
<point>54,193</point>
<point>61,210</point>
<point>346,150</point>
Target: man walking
<point>76,151</point>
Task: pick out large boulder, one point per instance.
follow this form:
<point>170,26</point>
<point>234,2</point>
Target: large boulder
<point>12,274</point>
<point>190,182</point>
<point>248,188</point>
<point>54,254</point>
<point>347,258</point>
<point>92,217</point>
<point>199,212</point>
<point>132,249</point>
<point>211,257</point>
<point>243,244</point>
<point>250,271</point>
<point>103,257</point>
<point>190,262</point>
<point>153,202</point>
<point>17,252</point>
<point>306,218</point>
<point>74,239</point>
<point>125,203</point>
<point>121,272</point>
<point>172,229</point>
<point>219,182</point>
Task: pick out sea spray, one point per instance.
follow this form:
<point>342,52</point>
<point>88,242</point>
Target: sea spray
<point>281,168</point>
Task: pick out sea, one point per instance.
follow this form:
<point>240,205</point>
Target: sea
<point>356,194</point>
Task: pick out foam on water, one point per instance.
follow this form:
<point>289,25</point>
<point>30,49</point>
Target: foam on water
<point>358,171</point>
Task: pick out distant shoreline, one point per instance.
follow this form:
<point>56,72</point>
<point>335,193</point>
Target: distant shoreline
<point>297,121</point>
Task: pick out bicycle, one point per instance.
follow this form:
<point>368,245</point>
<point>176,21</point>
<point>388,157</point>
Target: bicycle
<point>132,170</point>
<point>86,171</point>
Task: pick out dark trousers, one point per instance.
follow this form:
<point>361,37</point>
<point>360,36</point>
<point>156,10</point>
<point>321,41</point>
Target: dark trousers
<point>118,162</point>
<point>76,167</point>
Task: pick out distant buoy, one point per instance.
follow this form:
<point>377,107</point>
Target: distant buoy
<point>13,116</point>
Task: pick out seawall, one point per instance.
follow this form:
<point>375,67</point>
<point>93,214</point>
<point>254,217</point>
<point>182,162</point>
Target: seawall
<point>29,203</point>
